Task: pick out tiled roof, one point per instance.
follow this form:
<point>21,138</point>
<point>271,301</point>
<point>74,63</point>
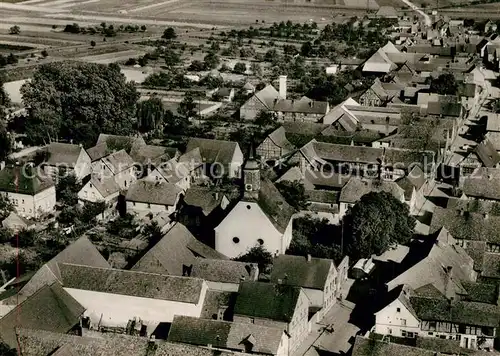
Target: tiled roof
<point>159,193</point>
<point>223,271</point>
<point>152,154</point>
<point>432,269</point>
<point>370,347</point>
<point>204,198</point>
<point>481,292</point>
<point>105,186</point>
<point>63,153</point>
<point>267,300</point>
<point>487,153</point>
<point>304,105</point>
<point>278,137</point>
<point>379,63</point>
<point>23,181</point>
<point>469,313</point>
<point>213,150</point>
<point>131,283</point>
<point>444,109</point>
<point>484,183</point>
<point>467,225</point>
<point>322,196</point>
<point>177,248</point>
<point>97,152</point>
<point>414,180</point>
<point>105,138</point>
<point>274,205</point>
<point>267,96</point>
<point>82,251</point>
<point>356,188</point>
<point>298,271</point>
<point>118,161</point>
<point>225,335</point>
<point>51,309</point>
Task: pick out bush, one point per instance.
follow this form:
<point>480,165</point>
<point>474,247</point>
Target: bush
<point>240,68</point>
<point>15,30</point>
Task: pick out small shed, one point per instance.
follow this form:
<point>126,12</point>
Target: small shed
<point>363,268</point>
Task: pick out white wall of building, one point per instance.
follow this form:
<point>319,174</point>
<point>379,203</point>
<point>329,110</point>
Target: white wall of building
<point>394,318</point>
<point>32,206</point>
<point>115,310</point>
<point>248,223</point>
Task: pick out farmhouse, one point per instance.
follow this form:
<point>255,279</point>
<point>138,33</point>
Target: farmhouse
<point>149,197</point>
<point>32,195</point>
<point>64,158</point>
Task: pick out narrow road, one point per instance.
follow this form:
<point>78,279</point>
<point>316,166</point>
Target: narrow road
<point>419,11</point>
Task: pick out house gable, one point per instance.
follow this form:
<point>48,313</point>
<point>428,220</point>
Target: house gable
<point>394,317</point>
<point>247,223</point>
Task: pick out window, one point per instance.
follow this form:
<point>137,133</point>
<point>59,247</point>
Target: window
<point>403,322</point>
<point>260,241</point>
<point>410,334</point>
<point>248,207</point>
<point>403,333</point>
<point>432,325</point>
<point>430,333</point>
<point>236,240</point>
<point>22,201</point>
<point>398,310</point>
<point>389,330</point>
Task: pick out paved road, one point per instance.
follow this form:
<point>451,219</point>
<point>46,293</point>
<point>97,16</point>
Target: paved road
<point>419,11</point>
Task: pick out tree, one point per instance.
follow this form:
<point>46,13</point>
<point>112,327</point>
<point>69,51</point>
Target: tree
<point>5,140</point>
<point>444,84</point>
<point>67,189</point>
<point>306,49</point>
<point>153,233</point>
<point>44,53</point>
<point>6,206</point>
<point>5,350</point>
<point>15,30</point>
<point>196,66</point>
<point>256,69</point>
<point>257,254</point>
<point>375,223</point>
<point>12,59</point>
<point>211,61</point>
<point>240,68</point>
<point>187,107</point>
<point>171,58</point>
<point>24,238</point>
<point>294,194</point>
<point>92,43</point>
<point>78,101</point>
<point>143,28</point>
<point>264,118</point>
<point>150,114</point>
<point>270,55</point>
<point>169,34</point>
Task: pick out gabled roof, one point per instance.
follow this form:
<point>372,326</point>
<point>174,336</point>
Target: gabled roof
<point>223,271</point>
<point>414,180</point>
<point>131,283</point>
<point>204,198</point>
<point>158,193</point>
<point>145,154</point>
<point>105,186</point>
<point>63,154</point>
<point>278,137</point>
<point>82,251</point>
<point>483,184</point>
<point>274,205</point>
<point>176,248</point>
<point>51,309</point>
<point>226,335</point>
<point>20,180</point>
<point>389,47</point>
<point>298,271</point>
<point>444,109</point>
<point>468,313</point>
<point>303,105</point>
<point>387,11</point>
<point>43,343</point>
<point>267,96</point>
<point>98,151</point>
<point>493,123</point>
<point>118,161</point>
<point>433,269</point>
<point>379,62</point>
<point>356,188</point>
<point>467,225</point>
<point>213,150</point>
<point>487,153</point>
<point>267,300</point>
<point>105,138</point>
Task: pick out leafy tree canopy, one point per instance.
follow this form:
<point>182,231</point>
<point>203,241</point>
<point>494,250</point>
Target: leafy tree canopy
<point>375,223</point>
<point>6,206</point>
<point>78,101</point>
<point>259,255</point>
<point>294,194</point>
<point>169,34</point>
<point>150,114</point>
<point>67,189</point>
<point>445,84</point>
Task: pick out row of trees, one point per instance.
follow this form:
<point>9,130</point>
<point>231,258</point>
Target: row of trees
<point>103,29</point>
<point>9,59</point>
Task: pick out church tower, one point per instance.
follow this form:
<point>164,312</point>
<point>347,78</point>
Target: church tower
<point>251,177</point>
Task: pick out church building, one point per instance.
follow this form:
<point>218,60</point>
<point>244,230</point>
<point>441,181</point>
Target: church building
<point>262,217</point>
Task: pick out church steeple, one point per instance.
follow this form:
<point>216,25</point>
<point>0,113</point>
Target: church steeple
<point>251,176</point>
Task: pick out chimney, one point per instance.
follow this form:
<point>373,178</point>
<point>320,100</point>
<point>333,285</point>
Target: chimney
<point>308,258</point>
<point>283,86</point>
